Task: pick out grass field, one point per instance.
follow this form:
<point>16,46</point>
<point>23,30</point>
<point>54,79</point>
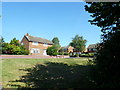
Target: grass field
<point>45,73</point>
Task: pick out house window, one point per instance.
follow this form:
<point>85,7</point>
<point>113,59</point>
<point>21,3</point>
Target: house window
<point>65,50</point>
<point>34,43</point>
<point>45,44</point>
<point>35,50</point>
<point>90,49</point>
<point>94,49</point>
<point>22,43</point>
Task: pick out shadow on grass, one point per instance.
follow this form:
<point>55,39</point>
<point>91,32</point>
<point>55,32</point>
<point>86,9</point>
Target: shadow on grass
<point>55,76</point>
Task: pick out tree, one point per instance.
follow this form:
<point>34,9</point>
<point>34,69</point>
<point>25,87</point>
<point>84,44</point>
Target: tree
<point>107,17</point>
<point>1,44</point>
<point>14,47</point>
<point>1,40</point>
<point>15,42</point>
<point>52,51</point>
<point>78,42</point>
<point>55,48</point>
<point>56,42</point>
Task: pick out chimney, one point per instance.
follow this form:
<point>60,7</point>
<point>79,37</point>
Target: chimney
<point>27,34</point>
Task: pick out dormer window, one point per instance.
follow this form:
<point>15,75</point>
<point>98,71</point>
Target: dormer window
<point>45,44</point>
<point>34,43</point>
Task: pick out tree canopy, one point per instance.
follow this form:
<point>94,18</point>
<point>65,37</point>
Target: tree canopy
<point>52,51</point>
<point>107,16</point>
<point>78,42</point>
<point>14,41</point>
<point>56,41</point>
<point>55,48</point>
<point>14,47</point>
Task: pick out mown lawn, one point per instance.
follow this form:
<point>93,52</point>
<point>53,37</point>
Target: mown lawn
<point>46,73</point>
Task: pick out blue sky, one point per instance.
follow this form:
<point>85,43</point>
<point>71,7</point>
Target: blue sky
<point>48,20</point>
<point>0,18</point>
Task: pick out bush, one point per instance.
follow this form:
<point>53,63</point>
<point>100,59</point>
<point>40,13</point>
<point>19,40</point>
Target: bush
<point>14,48</point>
<point>91,54</point>
<point>66,53</point>
<point>87,55</point>
<point>76,55</point>
<point>60,53</point>
<point>52,51</point>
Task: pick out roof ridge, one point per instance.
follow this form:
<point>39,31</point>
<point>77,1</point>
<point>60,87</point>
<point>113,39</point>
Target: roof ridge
<point>39,37</point>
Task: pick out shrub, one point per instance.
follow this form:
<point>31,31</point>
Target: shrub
<point>14,48</point>
<point>71,54</point>
<point>52,51</point>
<point>66,53</point>
<point>87,55</point>
<point>76,55</point>
<point>60,53</point>
<point>91,54</point>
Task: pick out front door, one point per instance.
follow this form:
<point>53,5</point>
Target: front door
<point>44,52</point>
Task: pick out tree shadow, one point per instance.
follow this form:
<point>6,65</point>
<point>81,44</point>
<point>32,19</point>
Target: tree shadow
<point>55,76</point>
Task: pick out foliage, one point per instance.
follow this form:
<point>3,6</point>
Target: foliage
<point>55,48</point>
<point>87,55</point>
<point>76,55</point>
<point>15,42</point>
<point>66,53</point>
<point>1,44</point>
<point>52,51</point>
<point>78,42</point>
<point>107,17</point>
<point>56,42</point>
<point>24,50</point>
<point>61,51</point>
<point>14,47</point>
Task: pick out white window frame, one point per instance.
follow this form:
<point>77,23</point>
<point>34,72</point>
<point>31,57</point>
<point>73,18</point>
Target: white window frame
<point>45,44</point>
<point>34,43</point>
<point>94,49</point>
<point>35,50</point>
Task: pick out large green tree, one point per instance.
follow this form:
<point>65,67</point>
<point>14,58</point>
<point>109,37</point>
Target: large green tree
<point>15,42</point>
<point>78,42</point>
<point>55,48</point>
<point>106,15</point>
<point>56,42</point>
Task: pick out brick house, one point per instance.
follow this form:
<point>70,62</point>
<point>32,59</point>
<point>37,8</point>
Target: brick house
<point>36,45</point>
<point>67,49</point>
<point>92,48</point>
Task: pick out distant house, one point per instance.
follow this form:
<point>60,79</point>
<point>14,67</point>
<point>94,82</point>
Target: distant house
<point>67,49</point>
<point>36,45</point>
<point>79,52</point>
<point>92,48</point>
